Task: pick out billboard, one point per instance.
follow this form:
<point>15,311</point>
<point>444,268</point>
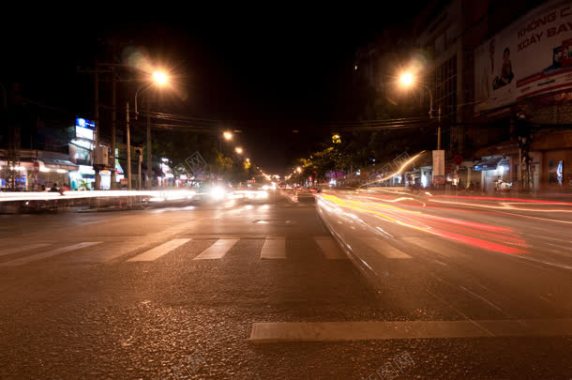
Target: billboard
<point>532,56</point>
<point>439,167</point>
<point>84,129</point>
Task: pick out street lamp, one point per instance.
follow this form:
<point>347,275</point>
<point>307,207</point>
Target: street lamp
<point>159,79</point>
<point>227,135</point>
<point>336,138</point>
<point>239,150</point>
<point>407,80</point>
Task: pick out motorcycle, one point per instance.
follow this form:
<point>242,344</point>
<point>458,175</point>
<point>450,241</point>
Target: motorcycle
<point>502,186</point>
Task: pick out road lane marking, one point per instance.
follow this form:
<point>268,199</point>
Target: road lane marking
<point>162,250</point>
<point>274,248</point>
<point>109,253</point>
<point>217,250</point>
<point>53,252</point>
<point>277,332</point>
<point>385,249</point>
<point>330,248</point>
<point>24,248</point>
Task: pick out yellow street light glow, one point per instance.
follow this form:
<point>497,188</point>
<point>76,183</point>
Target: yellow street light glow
<point>238,150</point>
<point>406,79</point>
<point>228,135</point>
<point>336,139</point>
<point>160,78</point>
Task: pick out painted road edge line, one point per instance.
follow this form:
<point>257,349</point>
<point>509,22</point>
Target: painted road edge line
<point>280,332</point>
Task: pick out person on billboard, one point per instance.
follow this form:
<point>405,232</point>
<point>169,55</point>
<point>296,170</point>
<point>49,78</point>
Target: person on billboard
<point>506,71</point>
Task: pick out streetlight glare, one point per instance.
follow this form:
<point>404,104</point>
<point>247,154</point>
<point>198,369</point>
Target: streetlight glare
<point>160,78</point>
<point>336,139</point>
<point>227,135</point>
<point>406,79</point>
<point>238,150</point>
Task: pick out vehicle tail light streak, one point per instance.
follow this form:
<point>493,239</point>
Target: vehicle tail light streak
<point>474,234</point>
<point>504,203</point>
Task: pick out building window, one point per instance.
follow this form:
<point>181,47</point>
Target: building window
<point>445,85</point>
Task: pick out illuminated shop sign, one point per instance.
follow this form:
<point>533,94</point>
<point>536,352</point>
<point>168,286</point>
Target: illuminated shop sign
<point>84,129</point>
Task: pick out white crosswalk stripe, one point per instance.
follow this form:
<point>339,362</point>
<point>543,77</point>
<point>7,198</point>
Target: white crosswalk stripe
<point>53,252</point>
<point>273,248</point>
<point>330,248</point>
<point>108,253</point>
<point>162,250</point>
<point>217,250</point>
<point>24,248</point>
<point>385,249</point>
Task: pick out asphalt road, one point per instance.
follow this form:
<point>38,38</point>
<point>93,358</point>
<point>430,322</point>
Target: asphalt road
<point>435,288</point>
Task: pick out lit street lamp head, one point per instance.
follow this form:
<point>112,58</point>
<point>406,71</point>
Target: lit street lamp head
<point>160,78</point>
<point>238,150</point>
<point>406,79</point>
<point>336,138</point>
<point>227,135</point>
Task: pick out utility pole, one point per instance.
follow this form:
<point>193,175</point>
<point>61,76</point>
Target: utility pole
<point>149,153</point>
<point>139,151</point>
<point>113,127</point>
<point>439,129</point>
<point>97,126</point>
<point>128,133</point>
<point>100,68</point>
<point>13,157</point>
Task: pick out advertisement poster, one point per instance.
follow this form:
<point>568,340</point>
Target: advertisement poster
<point>532,56</point>
<point>438,167</point>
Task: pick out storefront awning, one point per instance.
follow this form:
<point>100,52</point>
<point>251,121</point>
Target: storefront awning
<point>55,163</point>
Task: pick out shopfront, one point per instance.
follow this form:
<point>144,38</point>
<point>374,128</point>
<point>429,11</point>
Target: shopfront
<point>493,169</point>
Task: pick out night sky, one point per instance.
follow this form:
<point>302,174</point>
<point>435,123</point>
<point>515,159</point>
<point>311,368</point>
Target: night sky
<point>263,70</point>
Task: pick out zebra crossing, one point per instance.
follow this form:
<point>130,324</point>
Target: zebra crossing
<point>218,250</point>
<point>160,251</point>
<point>14,250</point>
<point>272,248</point>
<point>49,253</point>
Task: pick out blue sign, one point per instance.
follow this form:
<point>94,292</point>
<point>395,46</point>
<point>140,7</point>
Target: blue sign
<point>84,123</point>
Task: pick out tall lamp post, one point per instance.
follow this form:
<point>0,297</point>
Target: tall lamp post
<point>408,80</point>
<point>158,79</point>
